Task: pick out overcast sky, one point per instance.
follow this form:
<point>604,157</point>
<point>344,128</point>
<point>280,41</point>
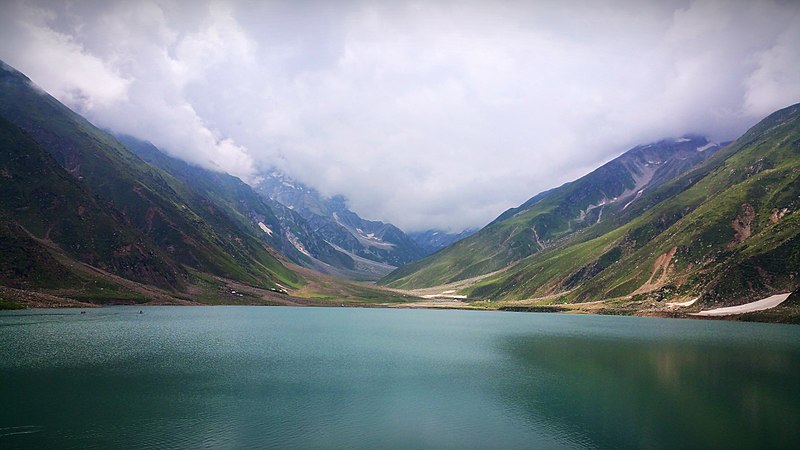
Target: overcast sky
<point>424,114</point>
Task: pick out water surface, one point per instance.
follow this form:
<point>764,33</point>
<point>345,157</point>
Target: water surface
<point>258,377</point>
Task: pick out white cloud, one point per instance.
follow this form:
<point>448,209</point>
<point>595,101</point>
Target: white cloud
<point>67,70</point>
<point>128,69</point>
<point>776,80</point>
<point>425,114</point>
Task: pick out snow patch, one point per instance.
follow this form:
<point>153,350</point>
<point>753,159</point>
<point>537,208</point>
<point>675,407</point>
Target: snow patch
<point>364,261</point>
<point>296,243</point>
<point>265,228</point>
<point>453,297</point>
<point>638,194</point>
<point>586,211</point>
<point>760,305</point>
<point>682,140</point>
<point>369,239</point>
<point>706,147</point>
<point>684,304</point>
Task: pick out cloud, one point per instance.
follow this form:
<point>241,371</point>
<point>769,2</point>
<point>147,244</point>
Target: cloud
<point>129,68</point>
<point>425,114</point>
<point>775,79</point>
<point>69,72</point>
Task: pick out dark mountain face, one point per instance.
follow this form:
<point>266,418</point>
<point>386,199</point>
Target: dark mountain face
<point>273,223</point>
<point>281,227</point>
<point>330,218</point>
<point>43,206</point>
<point>555,215</point>
<point>102,205</point>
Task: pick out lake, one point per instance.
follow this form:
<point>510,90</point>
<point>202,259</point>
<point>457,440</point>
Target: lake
<point>281,377</point>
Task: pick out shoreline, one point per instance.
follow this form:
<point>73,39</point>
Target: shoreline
<point>771,309</point>
<point>760,315</point>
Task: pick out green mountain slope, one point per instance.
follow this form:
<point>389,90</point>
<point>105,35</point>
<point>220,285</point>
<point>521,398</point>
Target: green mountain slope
<point>725,232</point>
<point>175,227</point>
<point>38,199</point>
<point>548,219</point>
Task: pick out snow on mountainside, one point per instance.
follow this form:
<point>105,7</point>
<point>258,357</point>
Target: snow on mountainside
<point>330,218</point>
<point>552,216</point>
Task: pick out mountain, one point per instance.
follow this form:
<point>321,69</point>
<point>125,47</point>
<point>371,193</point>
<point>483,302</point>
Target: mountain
<point>722,231</point>
<point>431,241</point>
<point>41,205</point>
<point>84,220</point>
<point>364,240</point>
<point>276,225</point>
<point>347,264</point>
<point>315,232</point>
<point>85,205</point>
<point>553,216</point>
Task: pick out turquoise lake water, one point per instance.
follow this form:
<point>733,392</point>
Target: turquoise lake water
<point>275,377</point>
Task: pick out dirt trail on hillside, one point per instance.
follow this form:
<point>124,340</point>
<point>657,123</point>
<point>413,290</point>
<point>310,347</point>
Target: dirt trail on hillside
<point>662,270</point>
<point>741,225</point>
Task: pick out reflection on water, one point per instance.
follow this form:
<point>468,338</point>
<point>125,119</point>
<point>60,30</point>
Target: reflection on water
<point>660,393</point>
<point>365,378</point>
<point>22,429</point>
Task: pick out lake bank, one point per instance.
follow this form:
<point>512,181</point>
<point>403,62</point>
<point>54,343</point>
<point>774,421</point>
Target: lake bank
<point>786,310</point>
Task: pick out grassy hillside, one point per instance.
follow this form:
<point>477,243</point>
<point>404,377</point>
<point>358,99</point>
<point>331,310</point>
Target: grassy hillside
<point>727,231</point>
<point>41,202</point>
<point>549,219</point>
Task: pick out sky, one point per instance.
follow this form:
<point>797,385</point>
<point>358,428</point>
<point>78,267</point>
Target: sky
<point>429,114</point>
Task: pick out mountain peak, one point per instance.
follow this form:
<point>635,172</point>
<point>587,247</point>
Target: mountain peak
<point>330,217</point>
